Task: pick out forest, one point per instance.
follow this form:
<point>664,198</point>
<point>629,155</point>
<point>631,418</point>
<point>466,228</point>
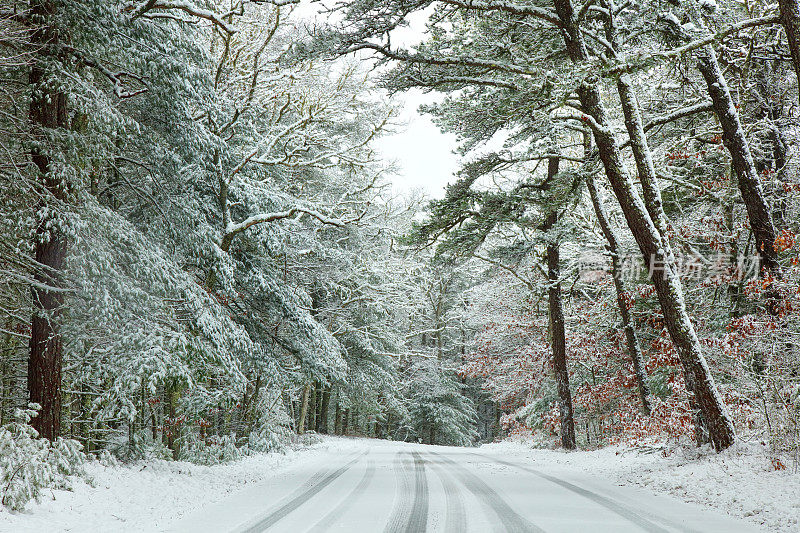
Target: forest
<point>202,256</point>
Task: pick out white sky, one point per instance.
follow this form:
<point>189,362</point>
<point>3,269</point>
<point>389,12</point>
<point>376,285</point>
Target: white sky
<point>423,155</point>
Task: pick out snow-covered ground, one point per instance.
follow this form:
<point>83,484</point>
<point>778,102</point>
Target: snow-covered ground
<point>739,481</point>
<point>152,495</point>
<point>160,495</point>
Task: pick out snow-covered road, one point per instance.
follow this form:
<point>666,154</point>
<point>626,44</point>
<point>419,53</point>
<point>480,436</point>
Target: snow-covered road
<point>384,486</point>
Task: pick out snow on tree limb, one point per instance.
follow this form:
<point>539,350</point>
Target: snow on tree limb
<point>234,228</point>
<point>633,63</point>
<point>186,7</point>
<point>401,55</point>
<point>506,7</point>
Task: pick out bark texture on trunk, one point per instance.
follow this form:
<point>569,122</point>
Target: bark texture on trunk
<point>312,408</point>
<point>667,285</point>
<point>557,331</point>
<point>346,421</point>
<point>173,428</point>
<point>301,422</point>
<point>790,18</point>
<point>634,348</point>
<point>323,410</point>
<point>48,111</point>
<point>736,142</point>
<point>643,157</point>
<point>651,194</point>
<point>337,420</point>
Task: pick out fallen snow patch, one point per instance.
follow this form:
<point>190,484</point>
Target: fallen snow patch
<point>740,481</point>
<point>151,495</point>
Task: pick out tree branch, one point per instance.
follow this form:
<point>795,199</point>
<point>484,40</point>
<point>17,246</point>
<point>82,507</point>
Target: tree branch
<point>398,55</point>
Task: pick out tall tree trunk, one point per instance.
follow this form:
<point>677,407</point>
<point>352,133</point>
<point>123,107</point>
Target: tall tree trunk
<point>773,109</point>
<point>252,404</point>
<point>337,420</point>
<point>651,195</point>
<point>780,158</point>
<point>323,410</point>
<point>734,139</point>
<point>557,330</point>
<point>643,157</point>
<point>174,431</point>
<point>153,427</point>
<point>301,422</point>
<point>790,18</point>
<point>634,348</point>
<point>48,111</point>
<point>345,421</point>
<point>312,408</point>
<point>667,285</point>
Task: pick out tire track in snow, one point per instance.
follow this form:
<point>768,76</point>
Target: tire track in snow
<point>419,511</point>
<point>410,516</point>
<point>308,490</point>
<point>347,502</point>
<point>511,520</point>
<point>402,506</point>
<point>613,506</point>
<point>455,520</point>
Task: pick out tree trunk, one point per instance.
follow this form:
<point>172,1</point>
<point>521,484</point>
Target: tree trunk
<point>48,111</point>
<point>790,18</point>
<point>312,408</point>
<point>734,139</point>
<point>557,330</point>
<point>780,158</point>
<point>84,411</point>
<point>153,426</point>
<point>323,410</point>
<point>667,285</point>
<point>173,432</point>
<point>252,404</point>
<point>642,157</point>
<point>634,348</point>
<point>337,420</point>
<point>651,193</point>
<point>301,423</point>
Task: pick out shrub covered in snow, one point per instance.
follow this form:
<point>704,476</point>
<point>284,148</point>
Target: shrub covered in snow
<point>29,464</point>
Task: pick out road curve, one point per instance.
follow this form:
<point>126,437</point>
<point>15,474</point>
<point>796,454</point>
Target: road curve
<point>409,488</point>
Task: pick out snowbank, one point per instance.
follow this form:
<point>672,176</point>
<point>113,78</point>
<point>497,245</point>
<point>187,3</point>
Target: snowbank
<point>150,495</point>
<point>740,481</point>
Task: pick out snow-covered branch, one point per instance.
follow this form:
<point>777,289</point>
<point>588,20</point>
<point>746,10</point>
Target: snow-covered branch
<point>462,80</point>
<point>186,7</point>
<point>116,78</point>
<point>506,7</point>
<point>633,63</point>
<point>400,55</point>
<point>678,114</point>
<point>232,229</point>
